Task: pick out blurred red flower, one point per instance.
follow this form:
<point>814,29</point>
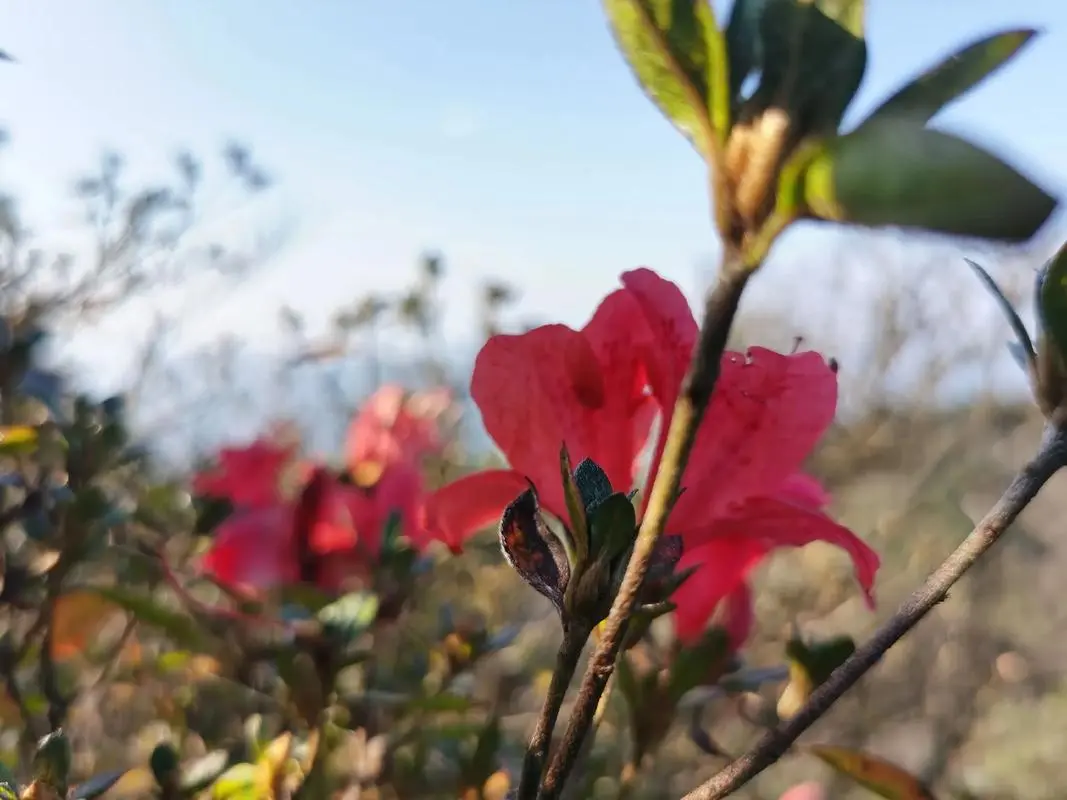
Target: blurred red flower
<point>331,531</point>
<point>597,390</point>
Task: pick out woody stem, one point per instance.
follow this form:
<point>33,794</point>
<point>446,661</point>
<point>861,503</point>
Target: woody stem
<point>570,650</point>
<point>1050,458</point>
<point>719,310</point>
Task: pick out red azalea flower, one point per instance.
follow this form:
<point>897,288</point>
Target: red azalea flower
<point>589,389</point>
<point>394,425</point>
<point>335,527</point>
<point>246,476</point>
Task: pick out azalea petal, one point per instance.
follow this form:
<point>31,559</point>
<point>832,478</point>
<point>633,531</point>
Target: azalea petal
<point>765,417</point>
<point>620,433</point>
<point>538,391</point>
<point>723,564</point>
<point>393,426</point>
<point>460,509</point>
<point>804,490</point>
<point>254,549</point>
<point>738,615</point>
<point>672,328</point>
<point>772,522</point>
<point>672,333</point>
<point>246,476</point>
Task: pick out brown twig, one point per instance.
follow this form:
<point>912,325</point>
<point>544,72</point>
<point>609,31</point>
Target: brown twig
<point>570,650</point>
<point>719,311</point>
<point>1050,458</point>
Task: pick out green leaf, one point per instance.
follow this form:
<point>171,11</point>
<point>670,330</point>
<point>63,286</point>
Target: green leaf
<point>744,47</point>
<point>350,616</point>
<point>181,628</point>
<point>1017,326</point>
<point>953,77</point>
<point>696,664</point>
<point>1052,303</point>
<point>97,785</point>
<point>52,761</point>
<point>678,54</point>
<point>814,58</point>
<point>897,173</point>
<point>810,664</point>
<point>575,510</point>
<point>613,527</point>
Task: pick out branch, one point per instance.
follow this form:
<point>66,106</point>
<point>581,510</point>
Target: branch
<point>719,311</point>
<point>1051,457</point>
<point>570,650</point>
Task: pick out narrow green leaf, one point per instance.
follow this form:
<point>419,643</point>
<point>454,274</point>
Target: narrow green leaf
<point>678,54</point>
<point>896,172</point>
<point>1023,336</point>
<point>953,77</point>
<point>814,58</point>
<point>178,626</point>
<point>698,663</point>
<point>1052,303</point>
<point>578,549</point>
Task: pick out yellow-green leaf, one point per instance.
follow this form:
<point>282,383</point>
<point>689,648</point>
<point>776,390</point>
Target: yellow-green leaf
<point>953,77</point>
<point>678,54</point>
<point>881,777</point>
<point>810,664</point>
<point>895,172</point>
<point>17,439</point>
<point>240,782</point>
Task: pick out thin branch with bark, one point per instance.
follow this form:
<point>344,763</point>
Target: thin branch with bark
<point>719,311</point>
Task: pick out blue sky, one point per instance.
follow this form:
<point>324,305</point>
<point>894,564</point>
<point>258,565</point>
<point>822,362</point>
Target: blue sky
<point>506,133</point>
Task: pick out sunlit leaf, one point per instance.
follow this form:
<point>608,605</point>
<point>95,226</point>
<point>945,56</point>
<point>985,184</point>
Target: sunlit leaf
<point>954,76</point>
<point>350,616</point>
<point>77,617</point>
<point>810,664</point>
<point>881,777</point>
<point>678,54</point>
<point>17,439</point>
<point>897,173</point>
<point>239,782</point>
